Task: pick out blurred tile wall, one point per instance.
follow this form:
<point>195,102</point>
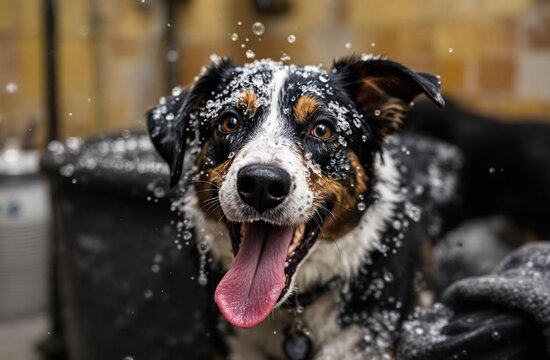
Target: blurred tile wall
<point>493,55</point>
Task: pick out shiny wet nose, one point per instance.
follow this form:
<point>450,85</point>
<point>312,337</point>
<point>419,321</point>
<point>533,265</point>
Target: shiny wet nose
<point>263,186</point>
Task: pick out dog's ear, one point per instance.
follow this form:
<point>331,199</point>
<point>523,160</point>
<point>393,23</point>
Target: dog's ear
<point>169,123</point>
<point>384,89</point>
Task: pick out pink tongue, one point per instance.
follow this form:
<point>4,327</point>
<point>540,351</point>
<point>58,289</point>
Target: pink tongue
<point>250,289</point>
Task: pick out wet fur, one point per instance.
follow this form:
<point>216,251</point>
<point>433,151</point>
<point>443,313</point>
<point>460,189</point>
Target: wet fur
<point>277,110</point>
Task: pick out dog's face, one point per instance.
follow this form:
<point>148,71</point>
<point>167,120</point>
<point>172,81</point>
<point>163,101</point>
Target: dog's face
<point>284,159</point>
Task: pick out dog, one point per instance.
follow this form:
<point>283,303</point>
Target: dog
<point>312,206</point>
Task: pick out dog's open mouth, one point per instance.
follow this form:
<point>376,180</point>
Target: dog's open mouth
<point>266,258</point>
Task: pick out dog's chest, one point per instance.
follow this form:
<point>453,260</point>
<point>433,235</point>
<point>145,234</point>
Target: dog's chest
<point>321,321</point>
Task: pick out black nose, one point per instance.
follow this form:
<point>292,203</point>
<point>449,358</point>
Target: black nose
<point>263,186</point>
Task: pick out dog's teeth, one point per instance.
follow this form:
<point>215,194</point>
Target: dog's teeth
<point>298,235</point>
<point>244,227</point>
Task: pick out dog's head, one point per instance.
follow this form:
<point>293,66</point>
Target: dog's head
<point>284,154</point>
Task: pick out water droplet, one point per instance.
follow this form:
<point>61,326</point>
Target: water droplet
<point>12,87</point>
<point>176,91</point>
<point>172,55</point>
<point>323,77</point>
<point>300,309</point>
<point>234,37</point>
<point>187,235</point>
<point>361,206</point>
<point>397,225</point>
<point>67,170</point>
<point>203,247</point>
<point>285,57</point>
<point>250,54</point>
<point>291,38</point>
<point>348,45</point>
<point>258,28</point>
<point>202,280</point>
<point>377,112</point>
<point>155,268</point>
<point>491,170</point>
<point>496,335</point>
<point>364,138</point>
<point>451,50</point>
<point>148,294</point>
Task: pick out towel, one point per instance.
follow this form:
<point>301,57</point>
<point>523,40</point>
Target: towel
<point>502,315</point>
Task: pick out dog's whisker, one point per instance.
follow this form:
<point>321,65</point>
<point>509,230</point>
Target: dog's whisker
<point>204,190</point>
<point>329,214</point>
<point>209,202</point>
<point>214,198</point>
<point>221,217</point>
<point>206,182</point>
<point>211,208</point>
<point>339,251</point>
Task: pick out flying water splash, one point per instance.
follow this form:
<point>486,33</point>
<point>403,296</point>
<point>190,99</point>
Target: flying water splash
<point>258,28</point>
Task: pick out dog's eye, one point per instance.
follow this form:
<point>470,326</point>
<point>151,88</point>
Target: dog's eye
<point>323,130</point>
<point>228,124</point>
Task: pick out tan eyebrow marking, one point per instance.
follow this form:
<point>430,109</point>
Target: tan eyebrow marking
<point>305,106</point>
<point>248,100</point>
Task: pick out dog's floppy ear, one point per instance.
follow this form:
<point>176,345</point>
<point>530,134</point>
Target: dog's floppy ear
<point>169,123</point>
<point>384,89</point>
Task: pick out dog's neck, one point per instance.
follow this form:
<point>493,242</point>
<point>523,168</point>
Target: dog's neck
<point>327,259</point>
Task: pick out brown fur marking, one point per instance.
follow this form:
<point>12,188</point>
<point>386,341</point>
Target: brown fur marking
<point>248,100</point>
<point>344,212</point>
<point>208,184</point>
<point>305,106</point>
<point>392,110</point>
